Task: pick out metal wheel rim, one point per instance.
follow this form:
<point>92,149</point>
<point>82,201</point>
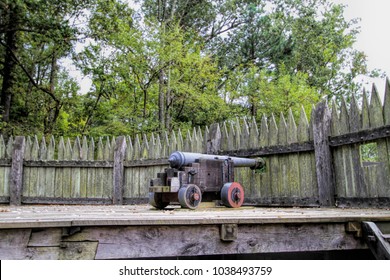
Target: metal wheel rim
<point>190,196</point>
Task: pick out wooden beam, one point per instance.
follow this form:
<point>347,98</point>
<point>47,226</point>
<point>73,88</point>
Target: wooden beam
<point>16,176</point>
<point>118,172</point>
<point>323,155</point>
<point>69,163</point>
<point>361,136</point>
<point>307,146</point>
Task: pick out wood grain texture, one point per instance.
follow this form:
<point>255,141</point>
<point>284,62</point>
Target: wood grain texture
<point>128,232</point>
<point>324,168</point>
<point>314,161</point>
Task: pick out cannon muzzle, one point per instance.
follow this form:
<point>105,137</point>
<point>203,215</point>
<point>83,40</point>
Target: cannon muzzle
<point>179,159</point>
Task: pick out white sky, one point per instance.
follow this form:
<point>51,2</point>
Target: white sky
<point>374,38</point>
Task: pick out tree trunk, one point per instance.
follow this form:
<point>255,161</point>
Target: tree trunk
<point>9,74</point>
<point>161,100</point>
<point>168,104</point>
<point>52,113</point>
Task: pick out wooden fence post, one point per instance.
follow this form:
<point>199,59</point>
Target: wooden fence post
<point>118,172</point>
<point>213,140</point>
<point>323,155</point>
<point>16,176</point>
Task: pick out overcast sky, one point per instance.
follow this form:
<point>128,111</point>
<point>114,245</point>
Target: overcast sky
<point>374,38</point>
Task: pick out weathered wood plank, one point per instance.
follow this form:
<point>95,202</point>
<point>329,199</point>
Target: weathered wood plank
<point>108,174</point>
<point>91,172</point>
<point>42,155</point>
<point>365,112</point>
<point>48,237</point>
<point>9,147</point>
<point>145,149</point>
<point>197,138</point>
<point>179,139</point>
<point>13,244</point>
<point>84,171</point>
<point>284,188</point>
<point>187,145</point>
<point>358,174</point>
<point>34,172</point>
<point>386,105</point>
<point>158,146</point>
<point>242,175</point>
<point>16,176</point>
<point>273,160</point>
<point>386,113</point>
<point>4,186</point>
<point>11,238</point>
<point>2,147</point>
<point>4,171</point>
<point>308,184</point>
<point>383,172</point>
<point>66,251</point>
<point>265,189</point>
<point>293,159</point>
<point>325,179</point>
<point>118,172</point>
<point>244,134</point>
<point>67,176</point>
<point>164,145</point>
<point>59,176</point>
<point>340,184</point>
<point>347,171</point>
<point>163,241</point>
<point>233,135</point>
<point>214,139</point>
<point>253,134</point>
<point>50,172</point>
<point>99,171</point>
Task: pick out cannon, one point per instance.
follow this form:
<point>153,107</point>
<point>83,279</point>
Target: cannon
<point>192,178</point>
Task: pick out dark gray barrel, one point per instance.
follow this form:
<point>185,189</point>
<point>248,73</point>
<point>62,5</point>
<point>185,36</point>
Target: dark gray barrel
<point>179,159</point>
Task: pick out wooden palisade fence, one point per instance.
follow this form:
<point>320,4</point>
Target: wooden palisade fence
<point>316,163</point>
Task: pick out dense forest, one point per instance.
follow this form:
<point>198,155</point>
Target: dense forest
<point>168,64</point>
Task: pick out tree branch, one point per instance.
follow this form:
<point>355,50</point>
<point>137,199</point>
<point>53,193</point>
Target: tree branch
<point>31,79</point>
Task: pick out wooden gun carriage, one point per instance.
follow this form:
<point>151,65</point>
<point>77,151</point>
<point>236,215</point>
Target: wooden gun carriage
<point>193,177</point>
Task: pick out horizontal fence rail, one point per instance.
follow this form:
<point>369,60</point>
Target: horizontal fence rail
<point>337,157</point>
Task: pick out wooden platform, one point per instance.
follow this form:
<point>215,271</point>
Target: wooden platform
<point>130,232</point>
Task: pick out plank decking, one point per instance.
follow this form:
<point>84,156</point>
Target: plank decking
<point>133,232</point>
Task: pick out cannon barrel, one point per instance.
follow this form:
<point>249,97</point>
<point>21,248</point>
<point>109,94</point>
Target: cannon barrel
<point>179,159</point>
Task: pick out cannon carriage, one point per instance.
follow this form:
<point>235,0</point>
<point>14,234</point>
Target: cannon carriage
<point>193,178</point>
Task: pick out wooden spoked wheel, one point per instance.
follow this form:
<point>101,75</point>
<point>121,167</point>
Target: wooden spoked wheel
<point>190,196</point>
<point>232,195</point>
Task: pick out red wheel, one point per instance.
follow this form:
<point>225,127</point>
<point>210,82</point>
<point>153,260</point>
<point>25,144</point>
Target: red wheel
<point>232,195</point>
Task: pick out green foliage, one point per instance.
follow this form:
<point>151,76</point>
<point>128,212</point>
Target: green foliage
<point>369,152</point>
<point>263,92</point>
<point>169,64</point>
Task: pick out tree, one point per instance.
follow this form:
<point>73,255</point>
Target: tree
<point>168,63</point>
<point>305,36</point>
<point>262,92</point>
<point>143,70</point>
<point>34,36</point>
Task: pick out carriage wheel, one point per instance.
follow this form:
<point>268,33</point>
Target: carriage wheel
<point>232,195</point>
<point>155,199</point>
<point>190,196</point>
